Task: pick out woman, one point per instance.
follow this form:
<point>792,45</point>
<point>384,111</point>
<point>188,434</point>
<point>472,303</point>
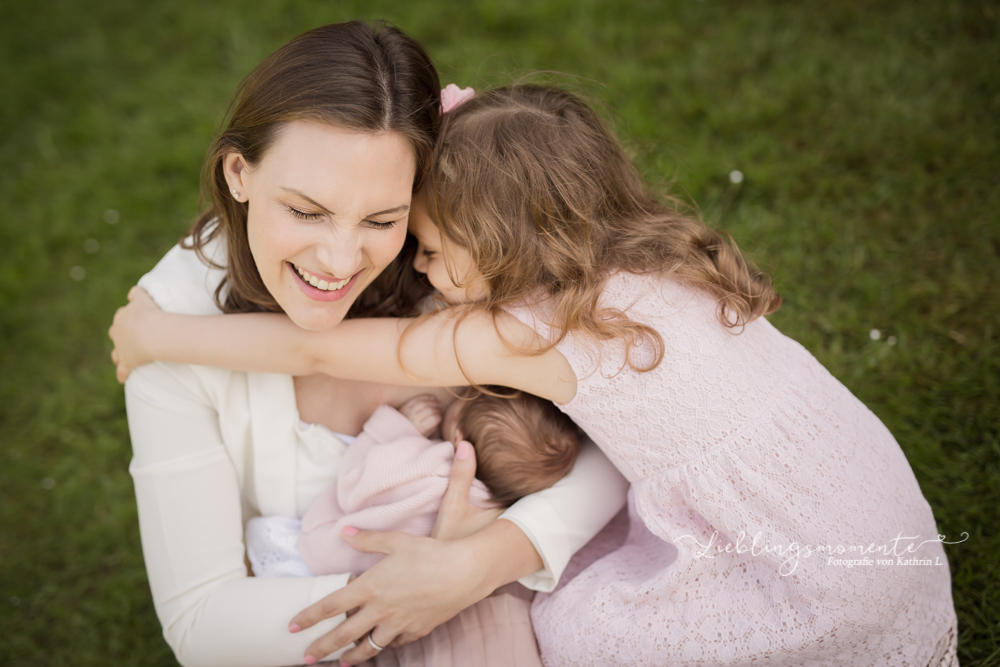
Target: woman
<point>310,185</point>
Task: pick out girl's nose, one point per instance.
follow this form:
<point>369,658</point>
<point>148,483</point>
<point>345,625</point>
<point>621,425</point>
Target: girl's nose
<point>420,261</point>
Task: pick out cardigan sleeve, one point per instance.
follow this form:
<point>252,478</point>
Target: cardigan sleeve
<point>190,522</point>
<point>191,505</point>
<point>561,519</point>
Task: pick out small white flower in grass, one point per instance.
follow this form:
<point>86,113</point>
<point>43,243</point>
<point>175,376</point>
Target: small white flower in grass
<point>78,273</point>
<point>891,340</point>
<point>874,334</point>
<point>91,246</point>
<point>48,483</point>
<point>111,216</point>
<point>736,176</point>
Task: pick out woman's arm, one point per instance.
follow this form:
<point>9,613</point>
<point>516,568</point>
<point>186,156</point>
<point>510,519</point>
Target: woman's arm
<point>190,521</point>
<point>561,519</point>
<point>462,571</point>
<point>423,582</point>
<point>436,351</point>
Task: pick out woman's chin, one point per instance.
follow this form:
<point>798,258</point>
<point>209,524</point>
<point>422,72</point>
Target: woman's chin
<point>317,317</point>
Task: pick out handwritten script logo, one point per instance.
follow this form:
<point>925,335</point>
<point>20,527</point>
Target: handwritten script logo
<point>793,552</point>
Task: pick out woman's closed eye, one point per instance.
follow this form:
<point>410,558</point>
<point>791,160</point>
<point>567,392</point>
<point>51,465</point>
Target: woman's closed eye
<point>381,225</point>
<point>374,224</point>
<point>302,215</point>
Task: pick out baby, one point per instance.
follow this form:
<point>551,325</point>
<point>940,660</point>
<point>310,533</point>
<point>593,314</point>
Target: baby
<point>392,477</point>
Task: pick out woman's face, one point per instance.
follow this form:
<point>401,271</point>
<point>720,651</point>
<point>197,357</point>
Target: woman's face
<point>327,212</point>
<point>436,255</point>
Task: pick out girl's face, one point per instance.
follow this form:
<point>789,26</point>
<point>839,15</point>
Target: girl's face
<point>431,257</point>
<point>327,212</point>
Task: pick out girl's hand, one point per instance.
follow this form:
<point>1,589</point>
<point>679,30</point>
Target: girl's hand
<point>128,332</point>
<point>421,583</point>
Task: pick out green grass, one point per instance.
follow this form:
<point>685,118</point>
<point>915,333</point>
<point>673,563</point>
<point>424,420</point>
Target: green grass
<point>868,133</point>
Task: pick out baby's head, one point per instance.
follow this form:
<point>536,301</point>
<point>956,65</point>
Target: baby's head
<point>523,444</point>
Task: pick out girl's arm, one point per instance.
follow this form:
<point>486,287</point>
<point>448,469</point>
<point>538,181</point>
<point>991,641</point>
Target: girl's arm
<point>436,351</point>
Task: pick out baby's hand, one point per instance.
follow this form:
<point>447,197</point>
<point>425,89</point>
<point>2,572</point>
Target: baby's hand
<point>424,411</point>
<point>127,332</point>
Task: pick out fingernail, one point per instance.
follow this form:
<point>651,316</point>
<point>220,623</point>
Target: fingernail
<point>350,531</point>
<point>294,627</point>
<point>463,450</point>
<point>310,659</point>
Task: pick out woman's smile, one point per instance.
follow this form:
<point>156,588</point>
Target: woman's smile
<point>321,287</point>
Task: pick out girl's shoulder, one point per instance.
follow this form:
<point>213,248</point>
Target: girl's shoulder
<point>637,296</point>
<point>181,282</point>
<point>656,295</point>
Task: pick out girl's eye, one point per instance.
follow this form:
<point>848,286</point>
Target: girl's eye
<point>302,215</point>
<point>427,253</point>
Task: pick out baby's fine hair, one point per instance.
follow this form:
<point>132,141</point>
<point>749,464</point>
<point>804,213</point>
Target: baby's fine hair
<point>523,443</point>
<point>530,181</point>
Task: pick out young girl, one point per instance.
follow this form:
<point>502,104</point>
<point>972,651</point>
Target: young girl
<point>759,483</point>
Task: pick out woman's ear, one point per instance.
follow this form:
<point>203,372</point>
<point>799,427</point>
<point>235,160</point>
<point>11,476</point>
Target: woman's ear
<point>234,168</point>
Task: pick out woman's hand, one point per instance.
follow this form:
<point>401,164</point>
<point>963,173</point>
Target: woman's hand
<point>127,332</point>
<point>457,517</point>
<point>422,581</point>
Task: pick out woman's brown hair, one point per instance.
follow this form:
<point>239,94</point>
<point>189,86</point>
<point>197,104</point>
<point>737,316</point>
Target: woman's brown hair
<point>360,77</point>
<point>531,182</point>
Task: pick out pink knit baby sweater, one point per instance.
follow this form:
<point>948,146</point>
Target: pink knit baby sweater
<point>391,478</point>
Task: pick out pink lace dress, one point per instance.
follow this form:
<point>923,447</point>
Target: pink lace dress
<point>772,518</point>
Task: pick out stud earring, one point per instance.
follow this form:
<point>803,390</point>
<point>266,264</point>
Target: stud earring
<point>236,194</point>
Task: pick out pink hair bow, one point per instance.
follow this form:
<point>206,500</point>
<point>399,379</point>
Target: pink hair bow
<point>452,96</point>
